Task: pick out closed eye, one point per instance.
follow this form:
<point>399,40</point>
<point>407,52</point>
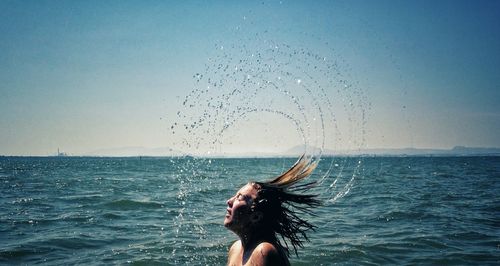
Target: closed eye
<point>245,198</point>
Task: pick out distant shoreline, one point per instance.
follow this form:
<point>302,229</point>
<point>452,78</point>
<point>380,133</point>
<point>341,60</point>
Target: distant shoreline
<point>457,151</point>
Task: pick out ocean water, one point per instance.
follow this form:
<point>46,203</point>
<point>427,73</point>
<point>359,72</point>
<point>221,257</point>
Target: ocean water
<point>169,211</point>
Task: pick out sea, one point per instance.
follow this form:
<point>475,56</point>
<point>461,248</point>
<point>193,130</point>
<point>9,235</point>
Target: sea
<point>169,210</point>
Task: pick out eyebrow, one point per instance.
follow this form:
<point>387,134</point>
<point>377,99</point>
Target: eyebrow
<point>246,198</point>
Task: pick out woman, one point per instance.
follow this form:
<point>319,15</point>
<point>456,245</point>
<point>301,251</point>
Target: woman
<point>260,211</point>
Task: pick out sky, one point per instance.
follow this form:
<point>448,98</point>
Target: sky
<point>85,76</point>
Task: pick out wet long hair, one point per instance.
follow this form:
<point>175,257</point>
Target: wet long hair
<point>281,201</point>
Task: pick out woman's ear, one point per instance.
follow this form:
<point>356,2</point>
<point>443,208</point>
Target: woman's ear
<point>256,216</point>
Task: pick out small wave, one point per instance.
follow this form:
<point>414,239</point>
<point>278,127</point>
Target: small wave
<point>18,253</point>
<point>457,258</point>
<point>147,262</point>
<point>471,236</point>
<point>83,197</point>
<point>426,243</point>
<point>22,200</point>
<point>76,243</point>
<point>24,252</point>
<point>74,217</point>
<point>132,205</point>
<point>43,247</point>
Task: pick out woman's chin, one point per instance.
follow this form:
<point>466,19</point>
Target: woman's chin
<point>227,222</point>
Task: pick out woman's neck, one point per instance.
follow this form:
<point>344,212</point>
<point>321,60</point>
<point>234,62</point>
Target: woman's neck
<point>250,240</point>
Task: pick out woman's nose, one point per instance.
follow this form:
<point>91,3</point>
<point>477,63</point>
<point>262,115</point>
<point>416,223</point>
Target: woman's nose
<point>230,202</point>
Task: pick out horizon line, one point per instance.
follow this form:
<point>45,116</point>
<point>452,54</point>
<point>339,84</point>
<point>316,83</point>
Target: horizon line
<point>456,150</point>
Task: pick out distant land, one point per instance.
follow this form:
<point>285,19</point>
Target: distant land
<point>292,152</point>
<point>455,151</point>
<point>298,150</point>
<point>135,151</point>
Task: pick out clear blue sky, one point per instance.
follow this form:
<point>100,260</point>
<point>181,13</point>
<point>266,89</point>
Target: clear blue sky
<point>89,75</point>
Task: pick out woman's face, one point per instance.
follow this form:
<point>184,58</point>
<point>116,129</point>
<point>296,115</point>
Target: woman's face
<point>239,208</point>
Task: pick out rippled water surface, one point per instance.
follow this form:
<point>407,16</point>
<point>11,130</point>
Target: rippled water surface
<point>143,211</point>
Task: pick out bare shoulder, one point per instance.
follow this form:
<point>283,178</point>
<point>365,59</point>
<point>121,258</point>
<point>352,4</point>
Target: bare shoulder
<point>267,248</point>
<point>235,246</point>
<point>267,254</point>
<point>234,253</point>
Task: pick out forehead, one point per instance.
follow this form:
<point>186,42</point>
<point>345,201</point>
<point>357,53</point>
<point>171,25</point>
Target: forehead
<point>248,190</point>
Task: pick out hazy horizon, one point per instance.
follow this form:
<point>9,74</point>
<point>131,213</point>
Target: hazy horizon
<point>292,151</point>
<point>89,76</point>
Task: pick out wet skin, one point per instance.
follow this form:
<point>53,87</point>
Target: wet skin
<point>238,210</point>
<point>252,248</point>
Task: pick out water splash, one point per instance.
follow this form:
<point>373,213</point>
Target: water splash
<point>294,84</point>
<point>261,96</point>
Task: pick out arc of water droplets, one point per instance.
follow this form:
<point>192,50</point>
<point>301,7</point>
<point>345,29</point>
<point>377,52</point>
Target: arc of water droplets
<point>255,67</point>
